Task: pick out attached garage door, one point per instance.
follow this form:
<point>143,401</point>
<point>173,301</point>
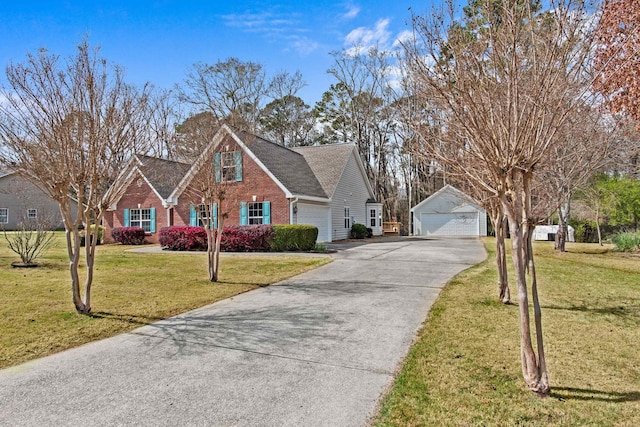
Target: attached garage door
<point>317,215</point>
<point>449,224</point>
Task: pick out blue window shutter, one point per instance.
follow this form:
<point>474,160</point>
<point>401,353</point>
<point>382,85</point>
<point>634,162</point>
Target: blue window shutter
<point>266,212</point>
<point>193,216</point>
<point>238,159</point>
<point>244,219</point>
<point>215,215</point>
<point>216,166</point>
<point>126,217</point>
<point>153,220</point>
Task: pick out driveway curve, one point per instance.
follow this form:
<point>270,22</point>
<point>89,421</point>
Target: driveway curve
<point>319,349</point>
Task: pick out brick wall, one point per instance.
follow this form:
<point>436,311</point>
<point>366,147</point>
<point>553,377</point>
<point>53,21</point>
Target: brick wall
<point>255,182</point>
<point>138,193</point>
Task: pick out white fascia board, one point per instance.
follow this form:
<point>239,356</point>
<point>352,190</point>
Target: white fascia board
<point>312,199</point>
<point>253,157</point>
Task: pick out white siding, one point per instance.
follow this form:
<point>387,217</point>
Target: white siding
<point>448,214</point>
<point>351,191</point>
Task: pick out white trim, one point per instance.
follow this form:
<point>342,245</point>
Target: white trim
<point>285,190</point>
<point>455,191</point>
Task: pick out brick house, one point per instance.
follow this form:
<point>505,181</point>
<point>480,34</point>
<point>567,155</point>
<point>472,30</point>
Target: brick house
<point>266,183</point>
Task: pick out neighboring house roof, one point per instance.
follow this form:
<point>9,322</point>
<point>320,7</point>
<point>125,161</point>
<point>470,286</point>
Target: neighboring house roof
<point>450,190</point>
<point>162,174</point>
<point>289,167</point>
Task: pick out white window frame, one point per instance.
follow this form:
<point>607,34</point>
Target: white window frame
<point>203,219</point>
<point>255,208</point>
<point>4,215</point>
<point>228,166</point>
<point>347,217</point>
<point>32,214</point>
<point>140,218</point>
<point>373,217</point>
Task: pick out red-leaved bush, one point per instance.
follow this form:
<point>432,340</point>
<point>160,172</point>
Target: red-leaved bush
<point>247,238</point>
<point>183,238</point>
<point>236,238</point>
<point>128,235</point>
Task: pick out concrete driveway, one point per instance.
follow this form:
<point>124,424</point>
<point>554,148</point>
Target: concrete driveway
<point>319,349</point>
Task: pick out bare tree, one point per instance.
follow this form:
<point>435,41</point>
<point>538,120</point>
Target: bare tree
<point>32,239</point>
<point>209,187</point>
<point>233,91</point>
<point>503,87</point>
<point>69,127</point>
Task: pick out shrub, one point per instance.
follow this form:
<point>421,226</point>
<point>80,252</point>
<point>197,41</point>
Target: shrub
<point>246,238</point>
<point>92,227</point>
<point>627,242</point>
<point>183,238</point>
<point>128,235</point>
<point>294,237</point>
<point>358,231</point>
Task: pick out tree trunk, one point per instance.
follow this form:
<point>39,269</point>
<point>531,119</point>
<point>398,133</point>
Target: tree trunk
<point>563,219</point>
<point>535,375</point>
<point>598,226</point>
<point>499,224</point>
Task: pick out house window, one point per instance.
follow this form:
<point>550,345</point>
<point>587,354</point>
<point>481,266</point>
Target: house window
<point>203,216</point>
<point>255,213</point>
<point>4,215</point>
<point>347,217</point>
<point>140,218</point>
<point>32,214</point>
<point>372,217</point>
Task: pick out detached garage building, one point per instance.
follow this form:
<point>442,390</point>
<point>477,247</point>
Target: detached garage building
<point>449,212</point>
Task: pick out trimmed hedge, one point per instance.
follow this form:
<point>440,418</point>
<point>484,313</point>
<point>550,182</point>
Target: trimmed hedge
<point>359,231</point>
<point>246,238</point>
<point>128,235</point>
<point>294,237</point>
<point>183,238</point>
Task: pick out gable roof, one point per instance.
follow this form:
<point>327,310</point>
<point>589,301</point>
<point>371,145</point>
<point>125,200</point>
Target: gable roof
<point>453,191</point>
<point>162,175</point>
<point>286,165</point>
<point>327,163</point>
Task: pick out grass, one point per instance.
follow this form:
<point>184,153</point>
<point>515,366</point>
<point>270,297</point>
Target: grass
<point>37,316</point>
<point>464,369</point>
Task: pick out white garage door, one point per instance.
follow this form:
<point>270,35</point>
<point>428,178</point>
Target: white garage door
<point>317,215</point>
<point>449,224</point>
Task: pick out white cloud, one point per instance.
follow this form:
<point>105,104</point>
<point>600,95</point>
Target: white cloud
<point>352,12</point>
<point>363,38</point>
<point>280,28</point>
<point>402,38</point>
<point>304,46</point>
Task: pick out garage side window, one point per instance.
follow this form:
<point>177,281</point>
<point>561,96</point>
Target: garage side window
<point>347,217</point>
<point>4,215</point>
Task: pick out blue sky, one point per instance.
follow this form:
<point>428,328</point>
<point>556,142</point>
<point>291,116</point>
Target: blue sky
<point>157,41</point>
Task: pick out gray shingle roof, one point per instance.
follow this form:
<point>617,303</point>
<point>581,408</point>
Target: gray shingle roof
<point>288,166</point>
<point>327,163</point>
<point>163,175</point>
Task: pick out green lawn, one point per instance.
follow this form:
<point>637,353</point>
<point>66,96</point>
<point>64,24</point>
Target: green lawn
<point>37,316</point>
<point>464,369</point>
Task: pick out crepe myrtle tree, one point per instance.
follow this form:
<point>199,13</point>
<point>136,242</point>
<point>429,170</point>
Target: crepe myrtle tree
<point>501,85</point>
<point>68,126</point>
<point>209,186</point>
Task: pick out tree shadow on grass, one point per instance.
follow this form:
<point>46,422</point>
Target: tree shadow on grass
<point>134,319</point>
<point>622,311</point>
<point>585,394</point>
